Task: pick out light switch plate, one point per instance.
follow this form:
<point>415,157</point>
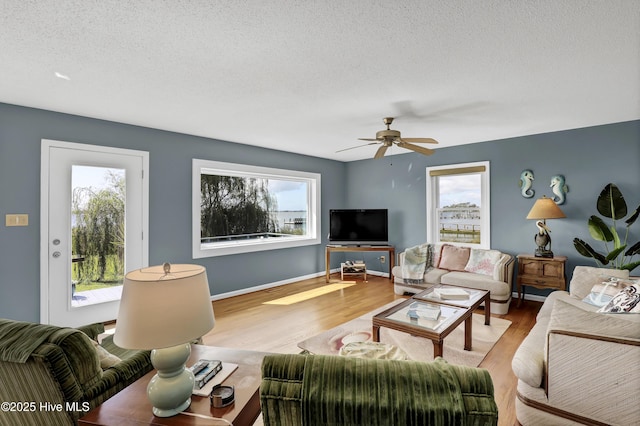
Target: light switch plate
<point>16,220</point>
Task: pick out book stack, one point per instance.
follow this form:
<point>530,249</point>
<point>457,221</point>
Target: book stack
<point>354,266</point>
<point>451,293</point>
<point>205,370</point>
<point>424,311</point>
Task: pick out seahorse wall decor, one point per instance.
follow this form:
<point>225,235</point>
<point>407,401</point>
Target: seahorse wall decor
<point>559,188</point>
<point>526,181</point>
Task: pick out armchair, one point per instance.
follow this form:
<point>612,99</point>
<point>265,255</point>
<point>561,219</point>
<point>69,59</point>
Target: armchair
<point>62,372</point>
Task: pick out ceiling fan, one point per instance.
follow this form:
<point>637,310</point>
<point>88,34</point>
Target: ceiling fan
<point>391,137</point>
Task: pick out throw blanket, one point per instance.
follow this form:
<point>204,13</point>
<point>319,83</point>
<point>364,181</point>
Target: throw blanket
<point>19,339</point>
<point>416,261</point>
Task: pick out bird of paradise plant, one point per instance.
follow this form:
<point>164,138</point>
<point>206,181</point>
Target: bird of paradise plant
<point>611,204</point>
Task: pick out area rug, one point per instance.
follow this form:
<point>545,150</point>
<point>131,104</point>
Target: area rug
<point>310,294</point>
<point>484,337</point>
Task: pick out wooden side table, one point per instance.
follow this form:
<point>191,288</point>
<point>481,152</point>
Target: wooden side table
<point>131,406</point>
<point>540,272</point>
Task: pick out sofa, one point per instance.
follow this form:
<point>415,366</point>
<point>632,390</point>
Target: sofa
<point>53,375</point>
<point>577,365</point>
<point>481,269</point>
<point>331,390</point>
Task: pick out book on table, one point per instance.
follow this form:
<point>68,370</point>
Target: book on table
<point>450,293</point>
<point>421,310</point>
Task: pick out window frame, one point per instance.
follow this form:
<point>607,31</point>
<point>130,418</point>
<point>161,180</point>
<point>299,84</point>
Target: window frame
<point>433,196</point>
<point>224,248</point>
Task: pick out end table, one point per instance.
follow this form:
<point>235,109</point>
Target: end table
<point>540,272</point>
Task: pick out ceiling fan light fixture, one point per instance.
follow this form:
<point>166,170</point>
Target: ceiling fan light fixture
<point>389,137</point>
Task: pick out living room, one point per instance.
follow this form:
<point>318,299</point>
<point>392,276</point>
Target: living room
<point>588,157</point>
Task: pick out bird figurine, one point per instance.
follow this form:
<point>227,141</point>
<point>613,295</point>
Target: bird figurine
<point>559,188</point>
<point>526,181</point>
<point>542,240</point>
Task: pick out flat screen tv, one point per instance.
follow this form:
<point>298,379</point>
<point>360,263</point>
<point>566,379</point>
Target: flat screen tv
<point>358,227</point>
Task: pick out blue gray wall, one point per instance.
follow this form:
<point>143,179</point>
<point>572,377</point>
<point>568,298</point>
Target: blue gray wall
<point>589,158</point>
<point>170,156</point>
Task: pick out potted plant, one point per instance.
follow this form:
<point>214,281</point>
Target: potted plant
<point>611,204</point>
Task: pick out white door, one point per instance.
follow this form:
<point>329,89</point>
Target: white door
<point>94,223</point>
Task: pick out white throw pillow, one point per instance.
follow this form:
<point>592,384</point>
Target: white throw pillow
<point>625,302</point>
<point>483,261</point>
<point>107,359</point>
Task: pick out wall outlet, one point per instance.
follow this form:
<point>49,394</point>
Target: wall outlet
<point>383,259</point>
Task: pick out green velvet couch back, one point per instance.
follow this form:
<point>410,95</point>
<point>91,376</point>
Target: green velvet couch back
<point>333,390</point>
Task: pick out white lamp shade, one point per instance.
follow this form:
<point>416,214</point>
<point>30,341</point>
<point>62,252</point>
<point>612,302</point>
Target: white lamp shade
<point>160,310</point>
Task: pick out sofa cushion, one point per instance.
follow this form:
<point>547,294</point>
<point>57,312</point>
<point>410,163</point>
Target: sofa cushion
<point>585,277</point>
<point>454,258</point>
<point>483,261</point>
<point>499,289</point>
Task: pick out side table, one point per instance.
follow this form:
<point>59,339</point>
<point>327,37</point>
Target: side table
<point>131,406</point>
<point>353,269</point>
<point>540,272</point>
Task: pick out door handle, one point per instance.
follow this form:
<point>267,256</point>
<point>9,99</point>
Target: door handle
<point>56,254</point>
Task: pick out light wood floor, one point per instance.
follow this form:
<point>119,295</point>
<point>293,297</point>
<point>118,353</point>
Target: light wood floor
<point>245,322</point>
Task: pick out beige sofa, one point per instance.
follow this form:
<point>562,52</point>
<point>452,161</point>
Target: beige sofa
<point>497,278</point>
<point>578,366</point>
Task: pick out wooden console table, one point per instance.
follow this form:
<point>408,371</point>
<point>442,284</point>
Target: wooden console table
<point>131,406</point>
<point>390,249</point>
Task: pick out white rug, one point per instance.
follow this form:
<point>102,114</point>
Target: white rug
<point>484,337</point>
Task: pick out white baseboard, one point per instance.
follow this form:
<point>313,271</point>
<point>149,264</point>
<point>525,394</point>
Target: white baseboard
<point>534,297</point>
<point>283,282</point>
<point>264,286</point>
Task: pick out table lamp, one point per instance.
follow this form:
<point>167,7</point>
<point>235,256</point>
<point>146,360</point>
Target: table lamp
<point>544,208</point>
<point>164,308</point>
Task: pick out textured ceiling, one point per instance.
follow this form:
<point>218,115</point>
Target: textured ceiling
<point>313,76</point>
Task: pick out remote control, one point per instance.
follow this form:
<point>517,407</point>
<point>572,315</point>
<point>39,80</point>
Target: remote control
<point>199,366</point>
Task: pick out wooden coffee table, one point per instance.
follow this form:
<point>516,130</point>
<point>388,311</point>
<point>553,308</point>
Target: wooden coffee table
<point>131,406</point>
<point>452,314</point>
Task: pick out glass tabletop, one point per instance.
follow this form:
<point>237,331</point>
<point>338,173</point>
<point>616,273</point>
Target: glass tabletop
<point>427,315</point>
<point>462,296</point>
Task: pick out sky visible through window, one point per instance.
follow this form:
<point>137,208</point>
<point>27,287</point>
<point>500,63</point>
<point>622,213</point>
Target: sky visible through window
<point>92,177</point>
<point>458,189</point>
<point>291,195</point>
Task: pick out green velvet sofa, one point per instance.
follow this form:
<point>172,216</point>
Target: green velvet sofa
<point>53,375</point>
<point>332,390</point>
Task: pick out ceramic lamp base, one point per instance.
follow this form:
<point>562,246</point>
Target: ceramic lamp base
<point>170,389</point>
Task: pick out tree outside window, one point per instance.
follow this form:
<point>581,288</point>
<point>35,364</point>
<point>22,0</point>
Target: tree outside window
<point>246,208</point>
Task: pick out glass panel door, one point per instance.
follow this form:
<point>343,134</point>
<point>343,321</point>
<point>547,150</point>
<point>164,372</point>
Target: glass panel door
<point>98,237</point>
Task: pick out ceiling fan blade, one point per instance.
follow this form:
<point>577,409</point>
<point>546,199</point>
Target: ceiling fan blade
<point>366,139</point>
<point>358,146</point>
<point>419,140</point>
<point>380,152</point>
<point>416,148</point>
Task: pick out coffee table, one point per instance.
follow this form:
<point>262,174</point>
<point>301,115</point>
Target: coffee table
<point>131,406</point>
<point>452,314</point>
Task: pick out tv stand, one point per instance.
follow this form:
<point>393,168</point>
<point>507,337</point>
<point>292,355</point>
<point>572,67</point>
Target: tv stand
<point>331,248</point>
